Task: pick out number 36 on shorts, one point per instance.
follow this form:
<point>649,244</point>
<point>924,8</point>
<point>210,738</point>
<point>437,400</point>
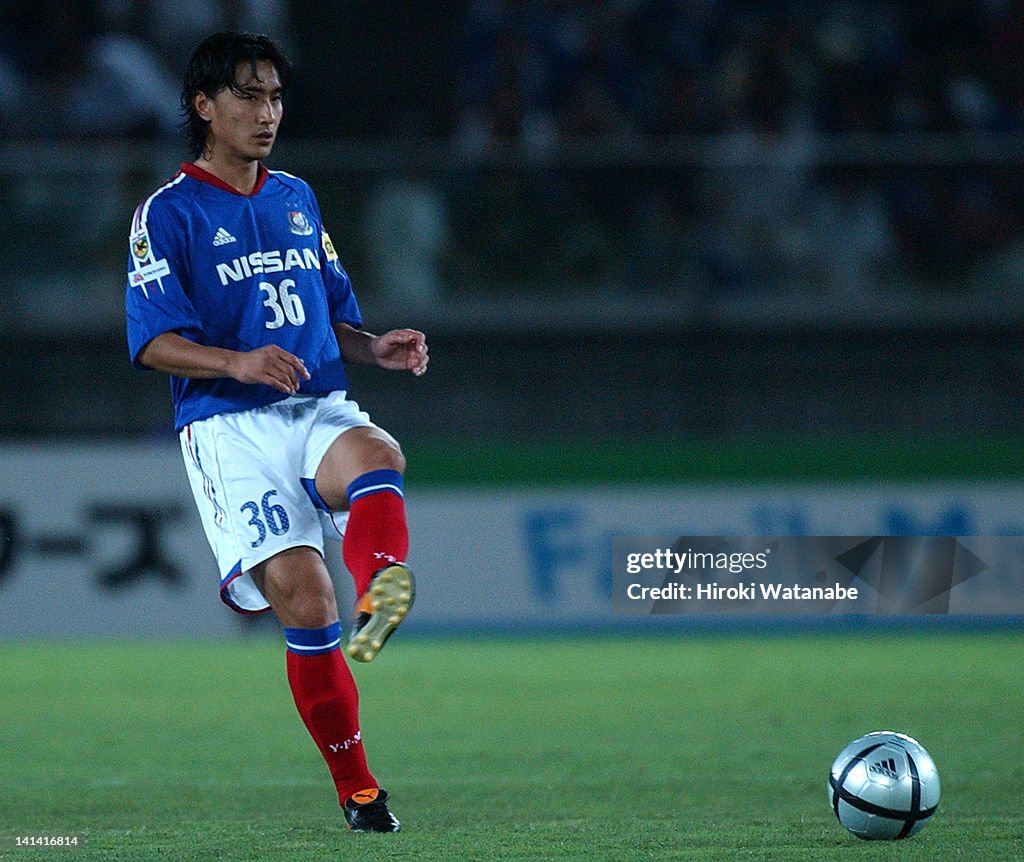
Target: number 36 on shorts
<point>266,515</point>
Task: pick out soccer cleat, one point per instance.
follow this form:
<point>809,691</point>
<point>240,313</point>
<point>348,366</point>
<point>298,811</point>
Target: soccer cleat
<point>367,811</point>
<point>379,611</point>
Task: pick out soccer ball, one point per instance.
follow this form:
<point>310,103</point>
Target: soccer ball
<point>884,785</point>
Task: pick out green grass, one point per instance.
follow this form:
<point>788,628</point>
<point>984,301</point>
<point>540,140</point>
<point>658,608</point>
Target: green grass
<point>604,748</point>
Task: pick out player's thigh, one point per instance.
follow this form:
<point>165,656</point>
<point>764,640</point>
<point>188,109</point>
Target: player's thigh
<point>298,588</point>
<point>244,469</point>
<point>353,453</point>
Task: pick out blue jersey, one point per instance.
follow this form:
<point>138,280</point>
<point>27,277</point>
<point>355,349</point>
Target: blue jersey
<point>237,271</point>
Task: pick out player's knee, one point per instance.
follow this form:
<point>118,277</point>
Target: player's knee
<point>305,608</point>
<point>386,455</point>
<point>312,611</point>
<point>299,590</point>
<point>396,460</point>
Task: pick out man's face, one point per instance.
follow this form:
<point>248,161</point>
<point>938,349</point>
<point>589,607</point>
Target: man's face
<point>243,126</point>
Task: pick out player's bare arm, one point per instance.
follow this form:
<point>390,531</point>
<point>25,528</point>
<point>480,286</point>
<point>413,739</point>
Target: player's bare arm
<point>396,350</point>
<point>271,365</point>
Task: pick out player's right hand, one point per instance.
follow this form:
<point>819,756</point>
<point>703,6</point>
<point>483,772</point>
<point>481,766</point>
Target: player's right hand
<point>272,366</point>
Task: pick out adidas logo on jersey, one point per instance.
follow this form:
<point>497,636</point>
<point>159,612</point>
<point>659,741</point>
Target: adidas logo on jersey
<point>222,237</point>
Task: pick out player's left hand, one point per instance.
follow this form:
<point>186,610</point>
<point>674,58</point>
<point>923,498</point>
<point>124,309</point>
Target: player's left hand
<point>401,350</point>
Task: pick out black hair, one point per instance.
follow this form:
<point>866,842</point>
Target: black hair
<point>214,66</point>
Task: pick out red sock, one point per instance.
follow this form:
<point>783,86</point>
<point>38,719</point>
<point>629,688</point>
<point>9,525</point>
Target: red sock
<point>327,699</point>
<point>377,533</point>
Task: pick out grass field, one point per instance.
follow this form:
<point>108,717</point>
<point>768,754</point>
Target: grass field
<point>603,748</point>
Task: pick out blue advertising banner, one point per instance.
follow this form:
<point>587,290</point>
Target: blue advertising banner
<point>121,550</point>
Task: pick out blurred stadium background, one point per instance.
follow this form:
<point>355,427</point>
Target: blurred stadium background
<point>687,267</point>
<point>661,250</point>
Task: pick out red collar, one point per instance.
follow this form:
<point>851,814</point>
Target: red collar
<point>197,173</point>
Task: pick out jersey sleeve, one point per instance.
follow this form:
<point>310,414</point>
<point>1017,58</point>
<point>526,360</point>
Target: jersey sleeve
<point>341,299</point>
<point>156,300</point>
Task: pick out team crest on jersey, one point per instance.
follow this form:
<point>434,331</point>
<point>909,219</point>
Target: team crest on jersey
<point>299,224</point>
<point>140,246</point>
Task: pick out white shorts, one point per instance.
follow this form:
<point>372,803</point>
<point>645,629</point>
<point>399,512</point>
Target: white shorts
<point>252,478</point>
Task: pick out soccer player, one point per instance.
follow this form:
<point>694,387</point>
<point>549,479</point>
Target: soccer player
<point>236,291</point>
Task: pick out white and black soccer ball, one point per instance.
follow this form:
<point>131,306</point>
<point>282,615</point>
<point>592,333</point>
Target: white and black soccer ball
<point>884,785</point>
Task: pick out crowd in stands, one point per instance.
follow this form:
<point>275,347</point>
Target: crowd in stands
<point>769,79</point>
<point>537,69</point>
<point>74,69</point>
<point>536,78</point>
